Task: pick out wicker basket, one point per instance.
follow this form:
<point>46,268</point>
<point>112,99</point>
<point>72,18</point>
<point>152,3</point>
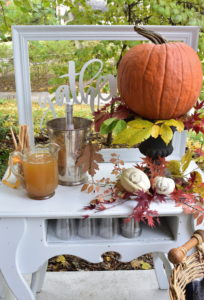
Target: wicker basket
<point>186,268</point>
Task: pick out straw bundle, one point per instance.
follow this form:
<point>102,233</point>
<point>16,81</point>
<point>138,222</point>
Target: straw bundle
<point>21,144</point>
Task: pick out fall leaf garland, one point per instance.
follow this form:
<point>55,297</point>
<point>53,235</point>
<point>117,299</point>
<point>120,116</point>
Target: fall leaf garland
<point>189,192</point>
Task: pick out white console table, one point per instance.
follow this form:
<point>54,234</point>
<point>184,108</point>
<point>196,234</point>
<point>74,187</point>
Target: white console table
<point>28,239</point>
<point>27,232</point>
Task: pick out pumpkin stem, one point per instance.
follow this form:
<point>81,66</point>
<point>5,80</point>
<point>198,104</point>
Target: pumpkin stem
<point>151,35</point>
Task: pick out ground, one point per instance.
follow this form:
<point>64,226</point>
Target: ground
<point>110,262</point>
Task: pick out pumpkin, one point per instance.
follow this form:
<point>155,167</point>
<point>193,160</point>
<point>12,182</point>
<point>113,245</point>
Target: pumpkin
<point>164,185</point>
<point>133,179</point>
<point>159,81</point>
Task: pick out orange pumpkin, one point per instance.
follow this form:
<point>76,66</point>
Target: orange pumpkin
<point>160,81</point>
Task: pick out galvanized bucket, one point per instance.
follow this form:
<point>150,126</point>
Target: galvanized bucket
<point>71,142</point>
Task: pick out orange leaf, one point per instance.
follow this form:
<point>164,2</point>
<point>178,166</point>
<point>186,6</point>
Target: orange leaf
<point>90,158</point>
<point>90,189</point>
<point>84,187</point>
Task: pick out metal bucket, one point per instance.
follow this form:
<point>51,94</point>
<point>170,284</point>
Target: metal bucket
<point>71,142</point>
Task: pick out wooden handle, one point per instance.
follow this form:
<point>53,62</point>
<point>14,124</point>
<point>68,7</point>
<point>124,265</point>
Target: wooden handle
<point>177,255</point>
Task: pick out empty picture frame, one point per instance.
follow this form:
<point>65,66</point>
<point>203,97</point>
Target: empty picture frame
<point>23,34</point>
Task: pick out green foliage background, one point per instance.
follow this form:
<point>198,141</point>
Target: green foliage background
<point>141,12</point>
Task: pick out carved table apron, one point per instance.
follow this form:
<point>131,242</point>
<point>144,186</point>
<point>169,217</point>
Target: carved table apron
<point>28,240</point>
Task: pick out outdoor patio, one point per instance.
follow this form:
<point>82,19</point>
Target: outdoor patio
<point>111,285</point>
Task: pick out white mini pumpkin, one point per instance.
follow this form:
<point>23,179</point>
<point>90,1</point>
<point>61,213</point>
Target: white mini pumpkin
<point>133,179</point>
<point>164,185</point>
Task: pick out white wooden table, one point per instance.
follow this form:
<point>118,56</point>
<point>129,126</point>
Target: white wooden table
<point>28,239</point>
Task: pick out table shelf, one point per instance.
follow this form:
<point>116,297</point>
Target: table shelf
<point>115,231</point>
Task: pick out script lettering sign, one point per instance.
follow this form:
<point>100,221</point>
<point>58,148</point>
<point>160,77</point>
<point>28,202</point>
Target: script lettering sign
<point>79,91</point>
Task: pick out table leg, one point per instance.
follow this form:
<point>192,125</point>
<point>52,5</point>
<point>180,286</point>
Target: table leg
<point>5,293</point>
<point>38,278</point>
<point>11,232</point>
<point>181,231</point>
<point>162,270</point>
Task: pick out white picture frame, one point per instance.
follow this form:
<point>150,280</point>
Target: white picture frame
<point>23,34</point>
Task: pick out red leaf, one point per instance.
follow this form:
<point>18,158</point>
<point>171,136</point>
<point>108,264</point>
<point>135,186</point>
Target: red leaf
<point>122,112</point>
<point>150,221</point>
<point>155,168</point>
<point>200,152</point>
<point>99,118</point>
<point>101,207</point>
<point>86,216</point>
<point>195,122</point>
<point>199,105</point>
<point>200,220</point>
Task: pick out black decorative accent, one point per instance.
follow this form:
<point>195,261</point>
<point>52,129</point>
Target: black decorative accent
<point>155,148</point>
<point>195,290</point>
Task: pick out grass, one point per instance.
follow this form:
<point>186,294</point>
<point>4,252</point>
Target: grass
<point>9,108</point>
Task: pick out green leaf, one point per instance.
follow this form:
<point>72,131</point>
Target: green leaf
<point>186,159</point>
<point>112,125</point>
<point>104,129</point>
<point>108,125</point>
<point>140,123</point>
<point>109,121</point>
<point>166,133</point>
<point>176,123</point>
<point>119,126</point>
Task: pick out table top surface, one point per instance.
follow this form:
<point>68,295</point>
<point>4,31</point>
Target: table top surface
<point>69,202</point>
